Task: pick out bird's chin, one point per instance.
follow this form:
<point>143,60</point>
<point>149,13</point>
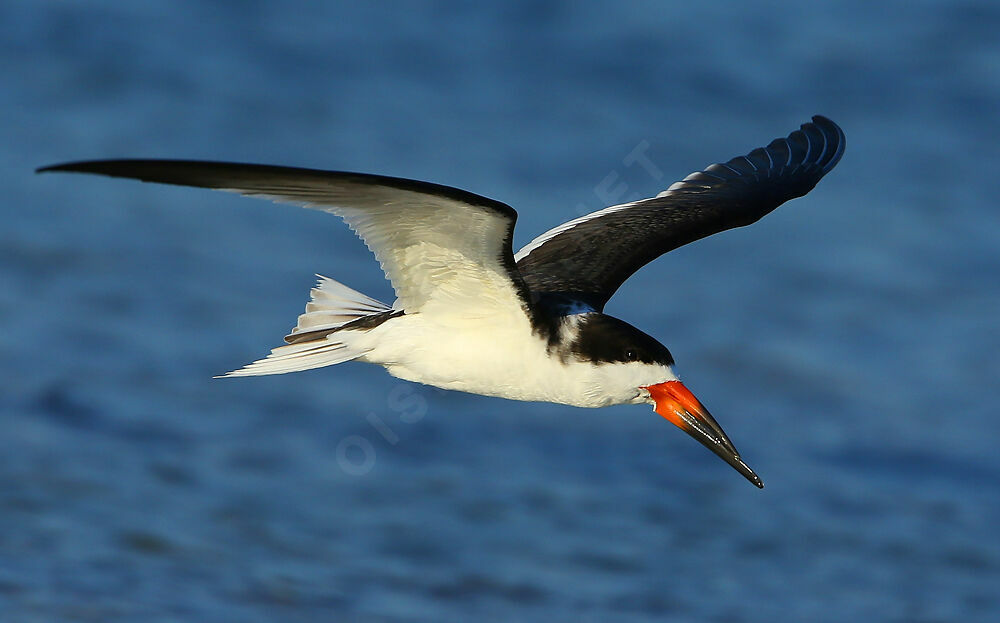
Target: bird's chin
<point>643,397</point>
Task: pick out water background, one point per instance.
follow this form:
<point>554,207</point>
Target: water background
<point>848,342</point>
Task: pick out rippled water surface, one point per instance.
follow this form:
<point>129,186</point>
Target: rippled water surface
<point>848,342</point>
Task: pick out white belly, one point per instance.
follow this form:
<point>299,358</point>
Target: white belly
<point>505,360</point>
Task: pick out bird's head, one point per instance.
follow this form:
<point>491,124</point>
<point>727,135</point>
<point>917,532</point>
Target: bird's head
<point>641,365</point>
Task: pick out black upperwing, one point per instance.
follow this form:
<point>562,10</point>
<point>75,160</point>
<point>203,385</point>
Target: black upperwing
<point>588,259</point>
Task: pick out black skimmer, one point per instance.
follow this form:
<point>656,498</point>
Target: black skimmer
<point>471,314</point>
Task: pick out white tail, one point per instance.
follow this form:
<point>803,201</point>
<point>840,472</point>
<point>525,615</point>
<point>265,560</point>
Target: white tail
<point>332,306</point>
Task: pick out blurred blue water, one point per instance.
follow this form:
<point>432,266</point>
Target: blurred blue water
<point>848,342</point>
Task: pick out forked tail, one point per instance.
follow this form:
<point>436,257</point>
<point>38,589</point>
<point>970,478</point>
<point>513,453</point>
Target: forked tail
<point>322,336</point>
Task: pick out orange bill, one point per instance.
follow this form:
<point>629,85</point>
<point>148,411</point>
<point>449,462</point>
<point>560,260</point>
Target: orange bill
<point>677,404</point>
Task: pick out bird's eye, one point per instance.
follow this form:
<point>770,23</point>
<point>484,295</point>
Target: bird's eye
<point>630,355</point>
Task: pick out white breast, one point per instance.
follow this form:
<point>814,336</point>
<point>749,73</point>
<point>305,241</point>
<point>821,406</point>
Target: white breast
<point>501,356</point>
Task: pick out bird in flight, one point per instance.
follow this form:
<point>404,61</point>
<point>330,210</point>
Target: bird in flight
<point>471,314</point>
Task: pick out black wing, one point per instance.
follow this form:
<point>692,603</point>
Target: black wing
<point>587,259</point>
